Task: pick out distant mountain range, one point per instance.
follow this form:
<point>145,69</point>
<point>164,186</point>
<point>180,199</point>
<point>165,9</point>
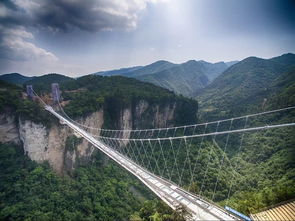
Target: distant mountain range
<point>118,71</point>
<point>251,83</point>
<point>221,87</point>
<point>15,78</point>
<point>185,78</point>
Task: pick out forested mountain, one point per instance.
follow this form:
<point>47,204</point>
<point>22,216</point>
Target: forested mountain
<point>246,86</point>
<point>15,78</point>
<point>139,70</point>
<point>49,78</point>
<point>185,78</point>
<point>153,68</point>
<point>230,63</point>
<point>213,70</point>
<point>44,82</point>
<point>182,79</point>
<point>121,71</point>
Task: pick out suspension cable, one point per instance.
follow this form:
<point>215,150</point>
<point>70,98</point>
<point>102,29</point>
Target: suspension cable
<point>184,126</point>
<point>207,134</point>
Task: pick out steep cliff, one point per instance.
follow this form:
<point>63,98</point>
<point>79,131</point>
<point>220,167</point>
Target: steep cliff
<point>59,146</point>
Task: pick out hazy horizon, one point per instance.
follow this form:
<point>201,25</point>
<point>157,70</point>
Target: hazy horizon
<point>79,75</point>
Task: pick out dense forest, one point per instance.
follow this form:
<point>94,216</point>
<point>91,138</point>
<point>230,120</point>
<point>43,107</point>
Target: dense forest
<point>11,101</point>
<point>31,191</point>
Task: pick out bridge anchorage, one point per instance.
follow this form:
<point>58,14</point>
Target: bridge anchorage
<point>177,163</point>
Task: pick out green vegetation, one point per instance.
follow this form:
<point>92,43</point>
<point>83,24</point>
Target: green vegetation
<point>31,191</point>
<point>186,78</point>
<point>9,96</point>
<point>90,93</point>
<point>153,68</point>
<point>43,83</point>
<point>247,87</point>
<point>156,210</point>
<point>11,101</point>
<point>72,142</point>
<point>15,78</point>
<point>266,170</point>
<point>266,166</point>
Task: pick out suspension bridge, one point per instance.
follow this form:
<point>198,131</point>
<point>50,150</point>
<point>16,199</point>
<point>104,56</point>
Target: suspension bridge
<point>145,153</point>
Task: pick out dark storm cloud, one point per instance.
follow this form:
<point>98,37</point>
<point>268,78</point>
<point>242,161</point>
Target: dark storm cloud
<point>11,14</point>
<point>86,15</point>
<point>8,4</point>
<point>63,15</point>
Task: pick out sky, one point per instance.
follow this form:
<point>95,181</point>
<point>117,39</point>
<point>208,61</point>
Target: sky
<point>78,37</point>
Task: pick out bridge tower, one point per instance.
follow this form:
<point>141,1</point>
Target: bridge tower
<point>30,91</point>
<point>55,92</point>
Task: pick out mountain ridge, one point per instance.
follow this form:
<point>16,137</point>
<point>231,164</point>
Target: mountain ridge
<point>244,85</point>
<point>15,78</point>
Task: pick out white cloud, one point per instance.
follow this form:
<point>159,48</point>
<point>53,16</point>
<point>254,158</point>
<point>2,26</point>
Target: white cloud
<point>15,45</point>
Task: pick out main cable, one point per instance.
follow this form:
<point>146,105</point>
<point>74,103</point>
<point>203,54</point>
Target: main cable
<point>207,134</point>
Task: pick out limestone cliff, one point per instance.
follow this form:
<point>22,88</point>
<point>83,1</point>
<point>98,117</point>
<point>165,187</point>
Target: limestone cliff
<point>144,115</point>
<point>49,144</point>
<point>52,143</point>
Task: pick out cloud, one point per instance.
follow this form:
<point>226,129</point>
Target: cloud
<point>64,15</point>
<point>15,45</point>
<point>20,19</point>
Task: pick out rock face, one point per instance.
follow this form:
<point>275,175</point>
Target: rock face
<point>41,143</point>
<point>8,129</point>
<point>144,115</point>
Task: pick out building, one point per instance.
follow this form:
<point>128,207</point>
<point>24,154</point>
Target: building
<point>283,211</point>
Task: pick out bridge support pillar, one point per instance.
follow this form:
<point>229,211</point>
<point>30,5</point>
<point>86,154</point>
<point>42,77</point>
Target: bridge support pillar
<point>55,92</point>
<point>30,91</point>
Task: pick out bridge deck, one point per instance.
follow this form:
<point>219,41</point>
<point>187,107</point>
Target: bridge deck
<point>171,194</point>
